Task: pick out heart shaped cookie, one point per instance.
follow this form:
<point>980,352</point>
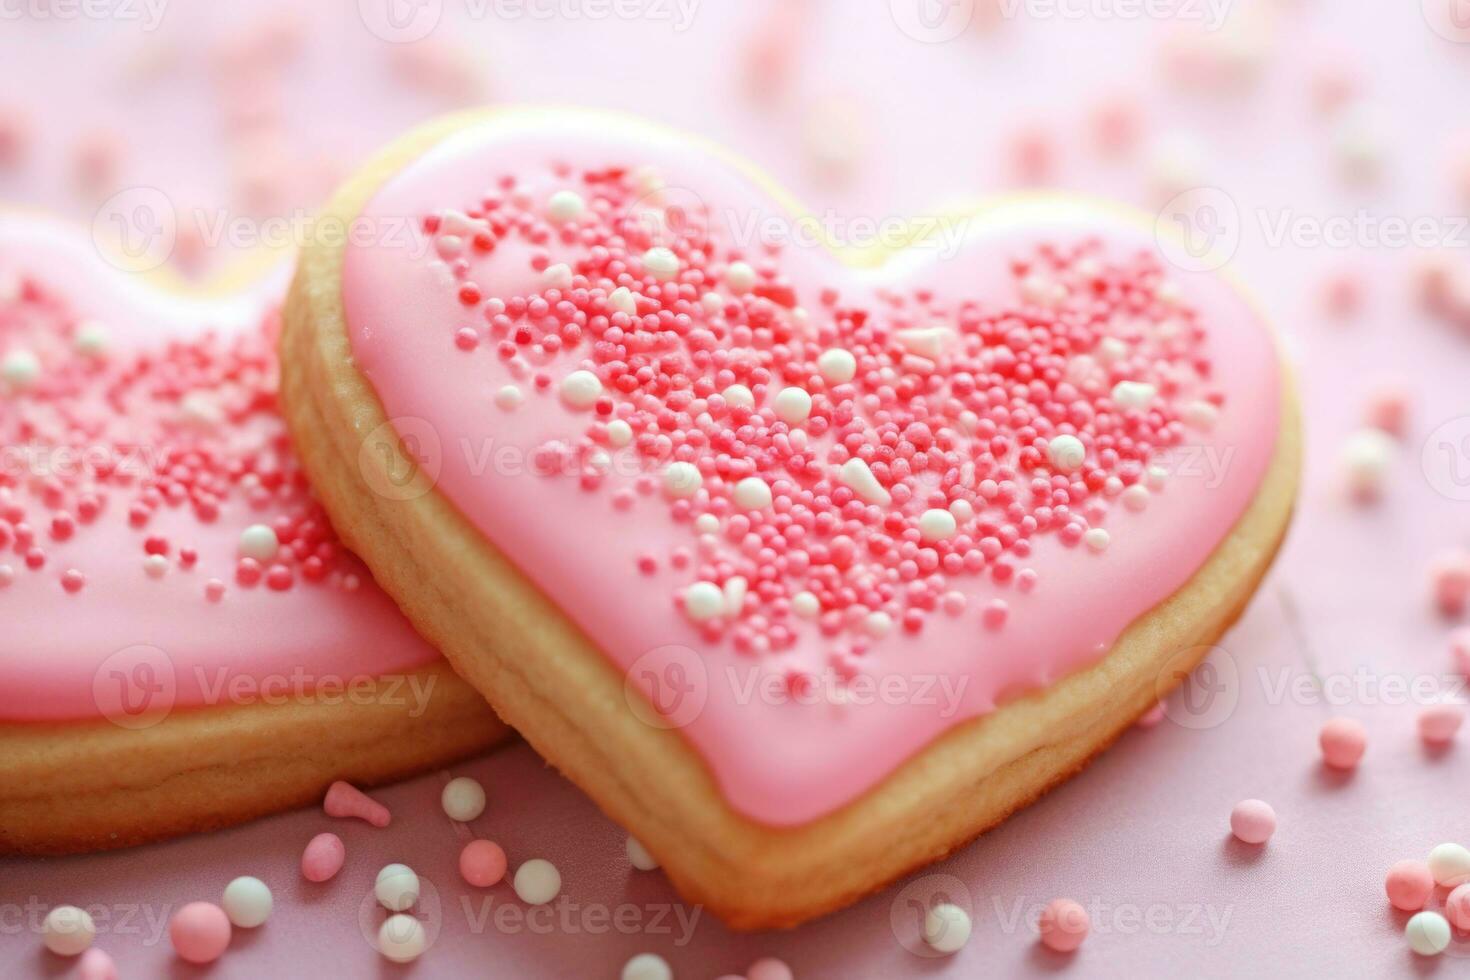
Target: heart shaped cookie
<point>187,643</point>
<point>809,561</point>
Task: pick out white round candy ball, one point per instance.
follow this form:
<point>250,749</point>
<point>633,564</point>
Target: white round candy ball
<point>247,901</point>
<point>947,928</point>
<point>463,799</point>
<point>537,882</point>
<point>397,887</point>
<point>68,930</point>
<point>647,966</point>
<point>1428,933</point>
<point>401,938</point>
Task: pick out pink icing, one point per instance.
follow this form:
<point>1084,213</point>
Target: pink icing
<point>89,631</point>
<point>440,331</point>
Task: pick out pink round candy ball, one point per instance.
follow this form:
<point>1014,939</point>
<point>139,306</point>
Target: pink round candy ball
<point>1064,924</point>
<point>482,863</point>
<point>96,965</point>
<point>1460,650</point>
<point>1439,724</point>
<point>1253,821</point>
<point>1457,907</point>
<point>1409,885</point>
<point>1343,743</point>
<point>769,968</point>
<point>200,932</point>
<point>323,857</point>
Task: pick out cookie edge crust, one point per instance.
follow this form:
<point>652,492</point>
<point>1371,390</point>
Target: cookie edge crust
<point>567,699</point>
<point>91,785</point>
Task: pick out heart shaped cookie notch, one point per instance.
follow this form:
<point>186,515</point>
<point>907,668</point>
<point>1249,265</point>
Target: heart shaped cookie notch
<point>187,644</point>
<point>809,560</point>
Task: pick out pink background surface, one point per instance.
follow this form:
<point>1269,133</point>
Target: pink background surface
<point>1141,837</point>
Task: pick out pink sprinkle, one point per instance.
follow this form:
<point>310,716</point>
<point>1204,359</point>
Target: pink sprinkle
<point>1409,885</point>
<point>1064,924</point>
<point>1450,579</point>
<point>1151,717</point>
<point>1342,294</point>
<point>1253,821</point>
<point>1116,126</point>
<point>482,863</point>
<point>96,965</point>
<point>1343,743</point>
<point>1460,649</point>
<point>1457,908</point>
<point>346,800</point>
<point>200,932</point>
<point>1439,724</point>
<point>1388,410</point>
<point>769,968</point>
<point>323,857</point>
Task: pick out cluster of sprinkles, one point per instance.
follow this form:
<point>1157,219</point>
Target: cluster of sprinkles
<point>95,435</point>
<point>843,462</point>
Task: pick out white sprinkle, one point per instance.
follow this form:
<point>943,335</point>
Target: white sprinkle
<point>580,389</point>
<point>739,396</point>
<point>200,410</point>
<point>1066,452</point>
<point>623,301</point>
<point>682,480</point>
<point>713,303</point>
<point>707,524</point>
<point>878,624</point>
<point>537,882</point>
<point>449,246</point>
<point>704,601</point>
<point>856,476</point>
<point>837,366</point>
<point>930,342</point>
<point>638,855</point>
<point>402,939</point>
<point>259,541</point>
<point>155,566</point>
<point>936,525</point>
<point>1168,293</point>
<point>1136,497</point>
<point>1428,933</point>
<point>1133,395</point>
<point>1097,539</point>
<point>1201,415</point>
<point>947,928</point>
<point>619,433</point>
<point>21,369</point>
<point>92,339</point>
<point>735,590</point>
<point>647,966</point>
<point>397,887</point>
<point>806,605</point>
<point>793,405</point>
<point>740,277</point>
<point>463,799</point>
<point>509,398</point>
<point>565,206</point>
<point>962,510</point>
<point>247,902</point>
<point>557,276</point>
<point>1156,476</point>
<point>752,493</point>
<point>1111,349</point>
<point>661,263</point>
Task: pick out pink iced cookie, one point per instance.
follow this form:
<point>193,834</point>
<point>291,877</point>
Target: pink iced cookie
<point>200,932</point>
<point>323,857</point>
